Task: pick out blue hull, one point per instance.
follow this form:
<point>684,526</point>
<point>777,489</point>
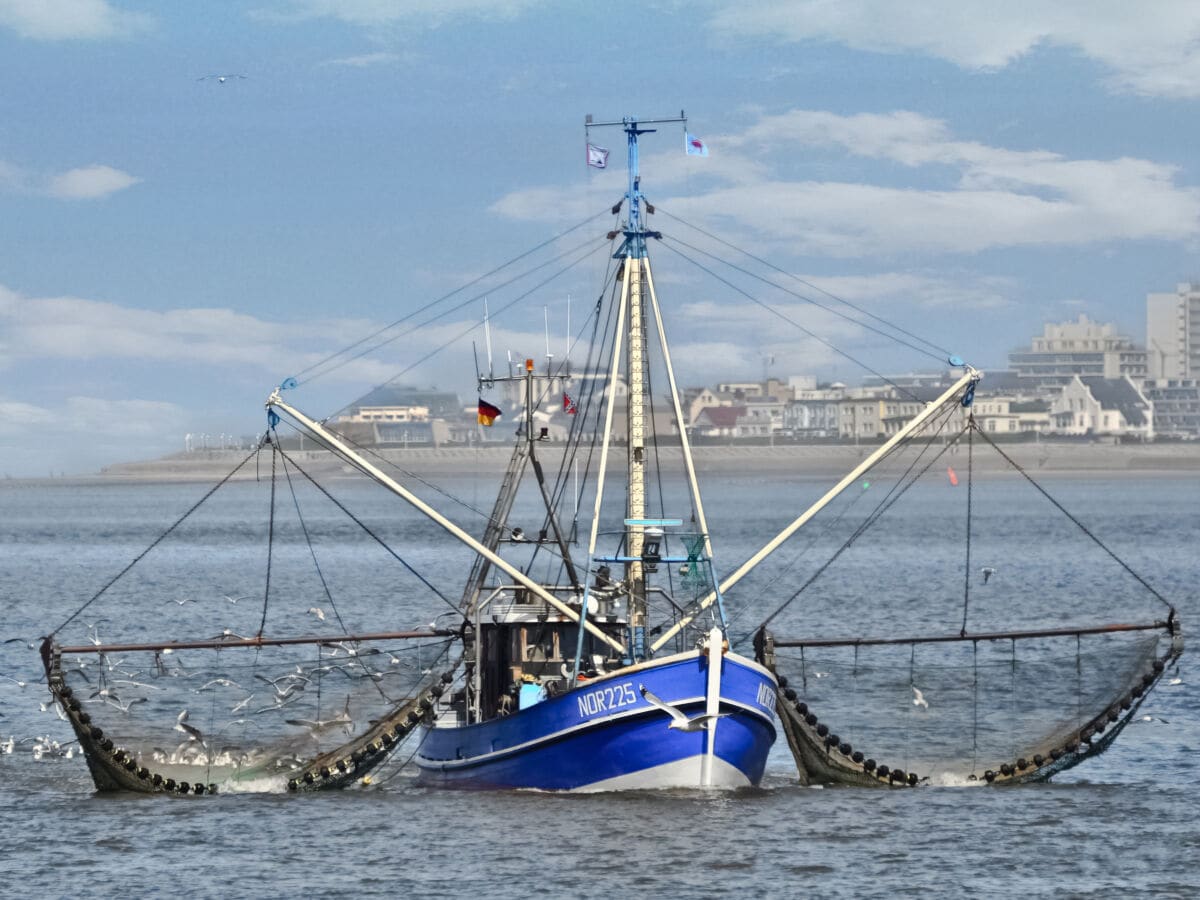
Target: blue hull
<point>605,736</point>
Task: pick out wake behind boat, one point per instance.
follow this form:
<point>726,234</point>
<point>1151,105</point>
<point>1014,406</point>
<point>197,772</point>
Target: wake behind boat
<point>599,658</point>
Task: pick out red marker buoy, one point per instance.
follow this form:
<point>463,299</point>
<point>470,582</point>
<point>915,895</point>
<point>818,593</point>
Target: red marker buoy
<point>953,477</point>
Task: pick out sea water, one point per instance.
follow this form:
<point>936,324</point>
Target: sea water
<point>1121,824</point>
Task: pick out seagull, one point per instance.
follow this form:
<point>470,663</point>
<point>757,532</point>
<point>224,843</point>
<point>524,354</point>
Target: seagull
<point>123,707</point>
<point>242,704</point>
<point>222,682</point>
<point>221,79</point>
<point>18,683</point>
<point>318,612</point>
<point>919,698</point>
<point>1154,719</point>
<point>679,721</point>
<point>987,572</point>
<point>1175,681</point>
<point>183,601</point>
<point>235,599</point>
<point>192,732</point>
<point>319,725</point>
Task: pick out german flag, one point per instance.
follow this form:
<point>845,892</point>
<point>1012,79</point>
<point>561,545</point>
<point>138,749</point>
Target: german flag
<point>487,412</point>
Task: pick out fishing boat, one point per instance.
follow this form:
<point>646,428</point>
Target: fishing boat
<point>599,658</point>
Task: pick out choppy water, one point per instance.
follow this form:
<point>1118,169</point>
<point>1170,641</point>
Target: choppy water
<point>1121,824</point>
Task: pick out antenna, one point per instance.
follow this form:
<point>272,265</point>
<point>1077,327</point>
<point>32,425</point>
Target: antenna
<point>567,349</point>
<point>546,323</point>
<point>487,337</point>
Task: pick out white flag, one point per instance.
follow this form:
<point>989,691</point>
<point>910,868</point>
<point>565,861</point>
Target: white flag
<point>597,157</point>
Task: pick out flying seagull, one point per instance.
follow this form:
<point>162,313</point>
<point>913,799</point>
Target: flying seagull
<point>192,732</point>
<point>988,572</point>
<point>679,721</point>
<point>220,78</point>
<point>919,698</point>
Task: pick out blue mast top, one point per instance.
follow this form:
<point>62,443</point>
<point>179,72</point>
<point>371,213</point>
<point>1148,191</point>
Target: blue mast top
<point>634,246</point>
<point>635,237</point>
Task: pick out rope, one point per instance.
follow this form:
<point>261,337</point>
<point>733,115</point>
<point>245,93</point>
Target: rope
<point>275,451</point>
<point>460,335</point>
<point>158,540</point>
<point>434,303</point>
<point>363,525</point>
<point>773,311</point>
<point>940,357</point>
<point>897,491</point>
<point>970,483</point>
<point>1099,543</point>
<point>944,352</point>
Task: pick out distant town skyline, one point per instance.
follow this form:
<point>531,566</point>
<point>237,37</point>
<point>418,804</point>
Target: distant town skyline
<point>176,245</point>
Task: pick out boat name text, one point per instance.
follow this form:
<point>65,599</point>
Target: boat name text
<point>607,699</point>
<point>766,696</point>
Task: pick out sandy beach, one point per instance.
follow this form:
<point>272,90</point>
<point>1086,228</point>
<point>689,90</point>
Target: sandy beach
<point>1059,458</point>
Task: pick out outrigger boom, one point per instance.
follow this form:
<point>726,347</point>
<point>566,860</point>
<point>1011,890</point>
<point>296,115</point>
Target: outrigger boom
<point>338,446</point>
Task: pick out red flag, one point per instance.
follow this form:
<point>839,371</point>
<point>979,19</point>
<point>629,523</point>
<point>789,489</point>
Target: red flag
<point>487,412</point>
<point>569,406</point>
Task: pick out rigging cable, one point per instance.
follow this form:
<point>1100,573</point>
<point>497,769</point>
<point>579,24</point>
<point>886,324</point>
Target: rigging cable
<point>970,484</point>
<point>382,543</point>
<point>783,316</point>
<point>321,576</point>
<point>461,334</point>
<point>1099,543</point>
<point>895,493</point>
<point>328,359</point>
<point>940,350</point>
<point>158,540</point>
<point>270,539</point>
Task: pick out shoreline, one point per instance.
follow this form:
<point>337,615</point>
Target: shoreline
<point>829,460</point>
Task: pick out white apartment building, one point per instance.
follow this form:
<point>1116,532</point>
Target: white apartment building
<point>1173,333</point>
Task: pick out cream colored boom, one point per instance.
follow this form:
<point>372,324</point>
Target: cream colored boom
<point>330,440</point>
<point>920,419</point>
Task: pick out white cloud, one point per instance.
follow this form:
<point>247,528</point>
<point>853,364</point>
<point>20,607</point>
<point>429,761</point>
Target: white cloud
<point>388,12</point>
<point>90,183</point>
<point>364,60</point>
<point>84,183</point>
<point>1149,49</point>
<point>58,20</point>
<point>80,329</point>
<point>932,193</point>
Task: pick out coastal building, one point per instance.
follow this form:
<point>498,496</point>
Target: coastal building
<point>1090,405</point>
<point>1010,415</point>
<point>718,421</point>
<point>811,417</point>
<point>1084,348</point>
<point>1176,405</point>
<point>401,415</point>
<point>1173,332</point>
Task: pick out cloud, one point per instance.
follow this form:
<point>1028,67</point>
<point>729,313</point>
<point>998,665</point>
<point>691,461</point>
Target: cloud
<point>363,61</point>
<point>73,328</point>
<point>931,193</point>
<point>90,183</point>
<point>389,12</point>
<point>84,183</point>
<point>1146,51</point>
<point>82,433</point>
<point>59,20</point>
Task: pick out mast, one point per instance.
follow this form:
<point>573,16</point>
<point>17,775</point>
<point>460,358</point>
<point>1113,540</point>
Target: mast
<point>635,291</point>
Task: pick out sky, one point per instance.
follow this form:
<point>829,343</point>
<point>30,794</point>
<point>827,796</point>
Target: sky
<point>173,246</point>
